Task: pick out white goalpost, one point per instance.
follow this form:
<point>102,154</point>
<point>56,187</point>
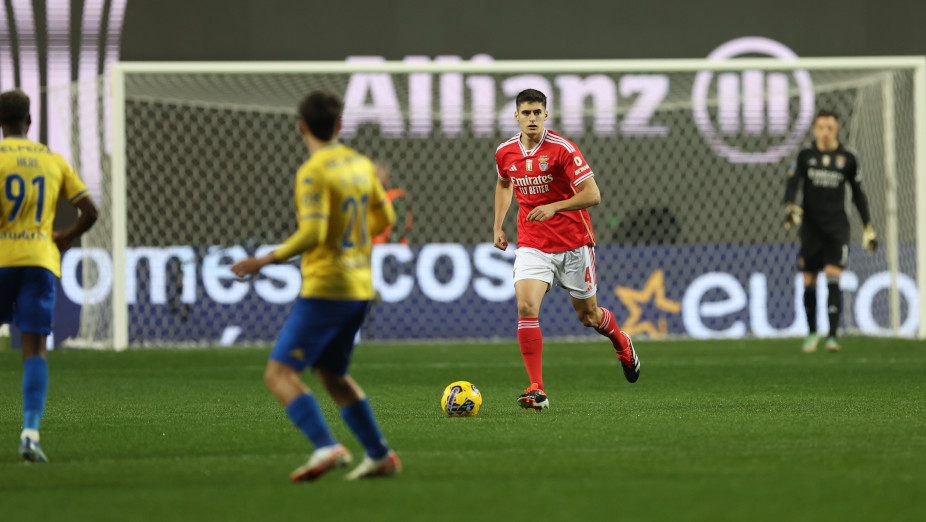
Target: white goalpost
<point>690,155</point>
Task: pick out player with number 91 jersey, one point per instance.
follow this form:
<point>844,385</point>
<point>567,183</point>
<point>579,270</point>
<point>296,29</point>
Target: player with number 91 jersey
<point>334,190</point>
<point>32,177</point>
<point>548,173</point>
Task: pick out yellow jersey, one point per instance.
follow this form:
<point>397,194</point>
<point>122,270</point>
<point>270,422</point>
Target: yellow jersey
<point>340,206</point>
<point>31,180</point>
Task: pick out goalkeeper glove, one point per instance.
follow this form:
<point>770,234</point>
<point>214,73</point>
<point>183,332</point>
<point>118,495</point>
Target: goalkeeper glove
<point>793,215</point>
<point>869,239</point>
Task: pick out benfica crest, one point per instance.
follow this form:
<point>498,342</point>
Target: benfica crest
<point>840,161</point>
<point>544,163</point>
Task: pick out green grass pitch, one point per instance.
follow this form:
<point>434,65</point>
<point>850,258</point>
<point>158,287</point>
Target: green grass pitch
<point>737,430</point>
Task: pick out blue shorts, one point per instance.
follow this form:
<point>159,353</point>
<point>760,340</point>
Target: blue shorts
<point>320,333</point>
<point>27,298</point>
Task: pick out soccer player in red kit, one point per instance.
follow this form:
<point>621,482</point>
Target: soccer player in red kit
<point>554,186</point>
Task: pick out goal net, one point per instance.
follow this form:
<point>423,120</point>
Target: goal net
<point>690,156</point>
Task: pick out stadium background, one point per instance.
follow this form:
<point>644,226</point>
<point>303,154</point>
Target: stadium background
<point>280,31</point>
<point>716,430</point>
<point>542,29</point>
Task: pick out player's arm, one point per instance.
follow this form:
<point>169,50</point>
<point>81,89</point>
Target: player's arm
<point>859,198</point>
<point>382,213</point>
<point>409,217</point>
<point>869,238</point>
<point>587,195</point>
<point>74,189</point>
<point>793,211</point>
<point>312,232</point>
<point>86,219</point>
<point>581,177</point>
<point>503,193</point>
<point>409,224</point>
<point>312,211</point>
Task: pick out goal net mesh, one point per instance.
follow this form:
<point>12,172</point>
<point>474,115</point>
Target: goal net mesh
<point>691,168</point>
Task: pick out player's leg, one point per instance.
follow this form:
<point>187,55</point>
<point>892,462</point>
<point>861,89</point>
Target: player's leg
<point>810,310</point>
<point>355,410</point>
<point>331,368</point>
<point>810,263</point>
<point>303,410</point>
<point>835,261</point>
<point>35,392</point>
<point>603,321</point>
<point>301,340</point>
<point>533,275</point>
<point>379,459</point>
<point>529,295</point>
<point>284,382</point>
<point>579,275</point>
<point>833,305</point>
<point>35,305</point>
<point>301,406</point>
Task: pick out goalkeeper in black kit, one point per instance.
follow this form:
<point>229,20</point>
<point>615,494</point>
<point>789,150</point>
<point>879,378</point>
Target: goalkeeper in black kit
<point>822,171</point>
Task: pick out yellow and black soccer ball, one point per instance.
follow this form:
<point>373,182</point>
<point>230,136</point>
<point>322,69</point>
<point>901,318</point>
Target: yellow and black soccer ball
<point>461,399</point>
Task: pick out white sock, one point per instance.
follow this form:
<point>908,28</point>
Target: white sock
<point>32,434</point>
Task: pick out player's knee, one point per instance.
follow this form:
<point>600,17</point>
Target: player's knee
<point>527,309</point>
<point>274,377</point>
<point>587,317</point>
<point>334,383</point>
<point>270,378</point>
<point>342,388</point>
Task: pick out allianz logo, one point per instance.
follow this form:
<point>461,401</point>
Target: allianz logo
<point>725,106</point>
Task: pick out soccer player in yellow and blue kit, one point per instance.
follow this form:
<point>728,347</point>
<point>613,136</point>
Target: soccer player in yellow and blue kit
<point>32,180</point>
<point>340,206</point>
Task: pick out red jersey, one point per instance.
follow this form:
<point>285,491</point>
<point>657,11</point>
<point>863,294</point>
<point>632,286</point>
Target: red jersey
<point>548,173</point>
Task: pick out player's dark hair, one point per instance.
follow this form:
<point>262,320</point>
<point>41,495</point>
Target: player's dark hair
<point>531,96</point>
<point>826,113</point>
<point>321,111</point>
<point>14,107</point>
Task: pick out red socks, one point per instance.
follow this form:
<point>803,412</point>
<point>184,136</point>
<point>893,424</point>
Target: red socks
<point>531,341</point>
<point>609,329</point>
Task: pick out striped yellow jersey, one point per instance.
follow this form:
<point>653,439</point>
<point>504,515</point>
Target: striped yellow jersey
<point>340,206</point>
<point>32,179</point>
